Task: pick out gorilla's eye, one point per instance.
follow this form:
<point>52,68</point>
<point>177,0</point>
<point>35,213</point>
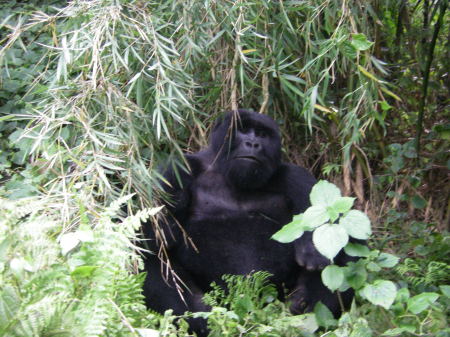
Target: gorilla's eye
<point>244,128</point>
<point>261,133</point>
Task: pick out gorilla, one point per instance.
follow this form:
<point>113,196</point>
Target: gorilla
<point>223,211</point>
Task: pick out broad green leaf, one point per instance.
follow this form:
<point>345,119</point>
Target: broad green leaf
<point>343,204</point>
<point>332,277</point>
<point>420,302</point>
<point>386,260</point>
<point>315,216</point>
<point>324,317</point>
<point>348,50</point>
<point>243,306</point>
<point>332,214</point>
<point>372,266</point>
<point>324,194</point>
<point>329,240</point>
<point>361,329</point>
<point>305,323</point>
<point>291,231</point>
<point>381,293</point>
<point>402,295</point>
<point>360,42</point>
<point>356,249</point>
<point>357,224</point>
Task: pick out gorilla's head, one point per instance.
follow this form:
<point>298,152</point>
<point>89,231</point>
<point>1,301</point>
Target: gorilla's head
<point>248,148</point>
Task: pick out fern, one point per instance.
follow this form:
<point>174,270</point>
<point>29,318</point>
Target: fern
<point>247,305</point>
<point>420,273</point>
<point>76,280</point>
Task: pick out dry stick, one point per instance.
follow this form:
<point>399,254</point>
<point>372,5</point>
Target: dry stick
<point>341,302</point>
<point>265,88</point>
<point>437,27</point>
<point>265,78</point>
<point>234,86</point>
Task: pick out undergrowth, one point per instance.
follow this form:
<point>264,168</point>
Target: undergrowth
<point>75,279</point>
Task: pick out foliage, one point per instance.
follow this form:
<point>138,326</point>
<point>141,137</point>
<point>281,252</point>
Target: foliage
<point>247,305</point>
<point>57,281</point>
<point>330,219</point>
<point>331,211</point>
<point>125,82</point>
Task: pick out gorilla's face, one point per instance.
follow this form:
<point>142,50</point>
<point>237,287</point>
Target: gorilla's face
<point>249,150</point>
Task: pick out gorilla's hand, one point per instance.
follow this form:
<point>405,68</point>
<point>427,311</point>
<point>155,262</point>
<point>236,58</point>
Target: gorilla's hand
<point>307,255</point>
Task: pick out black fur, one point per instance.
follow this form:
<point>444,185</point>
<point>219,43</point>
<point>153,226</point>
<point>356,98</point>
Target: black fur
<point>237,195</point>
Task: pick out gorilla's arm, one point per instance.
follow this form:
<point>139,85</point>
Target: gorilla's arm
<point>165,280</point>
<point>297,183</point>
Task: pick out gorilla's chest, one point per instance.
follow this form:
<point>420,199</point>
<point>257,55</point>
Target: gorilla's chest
<point>231,232</point>
<point>213,200</point>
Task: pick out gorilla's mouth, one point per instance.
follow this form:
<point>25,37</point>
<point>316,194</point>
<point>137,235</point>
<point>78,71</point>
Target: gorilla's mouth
<point>249,158</point>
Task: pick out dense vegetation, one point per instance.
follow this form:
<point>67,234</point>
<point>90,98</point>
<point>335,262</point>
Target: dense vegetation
<point>95,94</point>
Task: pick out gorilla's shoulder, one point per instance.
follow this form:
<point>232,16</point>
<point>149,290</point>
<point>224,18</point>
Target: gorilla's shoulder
<point>298,175</point>
<point>200,161</point>
<point>296,183</point>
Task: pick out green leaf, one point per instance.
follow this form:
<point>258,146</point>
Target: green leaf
<point>324,194</point>
<point>332,214</point>
<point>324,317</point>
<point>348,50</point>
<point>398,331</point>
<point>343,204</point>
<point>357,224</point>
<point>385,106</point>
<point>420,302</point>
<point>291,231</point>
<point>372,266</point>
<point>360,42</point>
<point>445,289</point>
<point>305,323</point>
<point>332,277</point>
<point>418,202</point>
<point>83,271</point>
<point>361,329</point>
<point>243,306</point>
<point>356,249</point>
<point>315,216</point>
<point>10,303</point>
<point>386,260</point>
<point>330,239</point>
<point>381,293</point>
<point>402,295</point>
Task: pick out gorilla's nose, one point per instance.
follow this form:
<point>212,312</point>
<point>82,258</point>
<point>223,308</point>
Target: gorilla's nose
<point>252,144</point>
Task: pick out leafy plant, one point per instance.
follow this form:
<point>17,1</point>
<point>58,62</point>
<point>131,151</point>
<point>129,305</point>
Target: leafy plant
<point>247,305</point>
<point>332,221</point>
<point>55,280</point>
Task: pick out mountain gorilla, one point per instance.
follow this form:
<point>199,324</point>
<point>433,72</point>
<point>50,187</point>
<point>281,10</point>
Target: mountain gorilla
<point>237,194</point>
